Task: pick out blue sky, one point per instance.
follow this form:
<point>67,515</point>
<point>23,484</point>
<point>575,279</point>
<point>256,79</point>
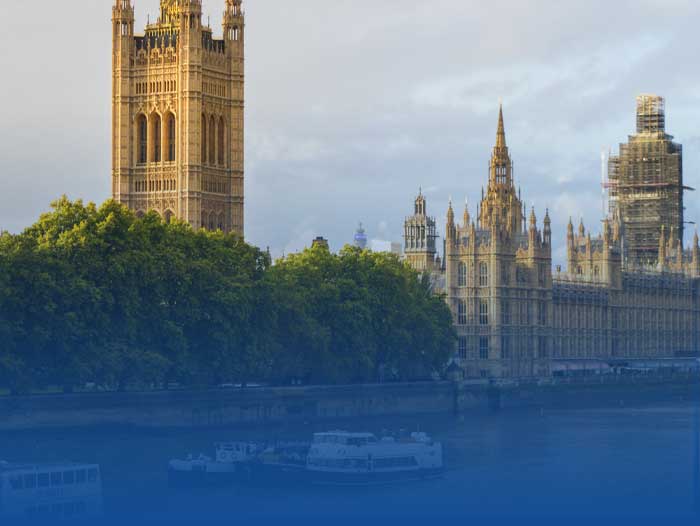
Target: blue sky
<point>353,105</point>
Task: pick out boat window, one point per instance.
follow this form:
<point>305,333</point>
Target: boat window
<point>43,480</point>
<point>30,481</point>
<point>399,462</point>
<point>80,476</point>
<point>92,475</point>
<point>56,478</point>
<point>16,482</point>
<point>69,477</point>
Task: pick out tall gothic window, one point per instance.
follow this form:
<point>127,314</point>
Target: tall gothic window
<point>484,348</point>
<point>142,132</point>
<point>156,129</point>
<point>462,348</point>
<point>204,142</point>
<point>483,312</point>
<point>483,275</point>
<point>462,275</point>
<point>462,312</point>
<point>170,124</point>
<point>212,141</point>
<point>220,142</point>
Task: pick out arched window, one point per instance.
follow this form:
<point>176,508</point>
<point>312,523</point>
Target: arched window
<point>483,312</point>
<point>205,220</point>
<point>220,222</point>
<point>204,143</point>
<point>462,275</point>
<point>483,275</point>
<point>168,216</point>
<point>461,312</point>
<point>212,140</point>
<point>170,137</point>
<point>220,143</point>
<point>142,132</point>
<point>156,130</point>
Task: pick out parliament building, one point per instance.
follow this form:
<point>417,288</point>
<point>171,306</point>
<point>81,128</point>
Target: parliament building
<point>177,115</point>
<point>618,300</point>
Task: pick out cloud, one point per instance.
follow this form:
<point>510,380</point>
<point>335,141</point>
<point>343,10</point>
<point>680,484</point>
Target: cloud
<point>352,105</point>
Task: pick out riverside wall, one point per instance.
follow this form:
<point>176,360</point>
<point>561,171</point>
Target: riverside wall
<point>261,406</point>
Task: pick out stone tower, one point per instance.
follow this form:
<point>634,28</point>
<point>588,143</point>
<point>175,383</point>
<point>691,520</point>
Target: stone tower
<point>420,235</point>
<point>498,279</point>
<point>177,115</point>
<point>646,183</point>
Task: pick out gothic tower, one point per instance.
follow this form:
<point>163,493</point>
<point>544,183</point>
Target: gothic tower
<point>177,115</point>
<point>420,235</point>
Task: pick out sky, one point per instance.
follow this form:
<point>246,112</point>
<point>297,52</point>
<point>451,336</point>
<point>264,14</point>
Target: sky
<point>353,105</point>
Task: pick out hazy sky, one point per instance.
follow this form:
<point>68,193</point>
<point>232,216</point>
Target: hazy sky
<point>351,105</point>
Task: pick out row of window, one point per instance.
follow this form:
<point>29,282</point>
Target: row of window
<point>144,88</point>
<point>150,138</point>
<point>214,89</point>
<point>535,347</point>
<point>166,185</point>
<point>53,479</point>
<point>524,311</point>
<point>521,274</point>
<point>213,140</point>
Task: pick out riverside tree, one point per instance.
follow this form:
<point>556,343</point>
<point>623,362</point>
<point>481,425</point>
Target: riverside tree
<point>95,294</point>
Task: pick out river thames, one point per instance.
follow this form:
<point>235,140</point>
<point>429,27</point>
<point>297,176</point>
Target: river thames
<point>612,463</point>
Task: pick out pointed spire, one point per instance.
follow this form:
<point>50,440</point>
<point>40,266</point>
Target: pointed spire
<point>501,133</point>
<point>533,219</point>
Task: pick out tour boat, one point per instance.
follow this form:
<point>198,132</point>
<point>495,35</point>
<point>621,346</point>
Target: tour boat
<point>50,491</point>
<point>336,457</point>
<point>340,457</point>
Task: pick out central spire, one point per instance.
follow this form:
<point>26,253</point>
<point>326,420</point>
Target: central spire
<point>501,133</point>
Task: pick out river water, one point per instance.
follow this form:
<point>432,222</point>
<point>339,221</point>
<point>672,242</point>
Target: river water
<point>592,464</point>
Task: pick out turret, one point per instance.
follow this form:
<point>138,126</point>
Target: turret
<point>123,29</point>
<point>234,26</point>
<point>467,218</point>
<point>695,270</point>
<point>450,233</point>
<point>581,229</point>
<point>547,229</point>
<point>532,231</point>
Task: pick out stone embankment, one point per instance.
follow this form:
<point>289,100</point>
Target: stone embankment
<point>274,405</point>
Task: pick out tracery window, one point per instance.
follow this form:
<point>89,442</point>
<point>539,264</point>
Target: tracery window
<point>462,275</point>
<point>483,275</point>
<point>142,131</point>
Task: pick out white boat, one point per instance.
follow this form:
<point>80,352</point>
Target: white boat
<point>340,457</point>
<point>55,491</point>
<point>202,470</point>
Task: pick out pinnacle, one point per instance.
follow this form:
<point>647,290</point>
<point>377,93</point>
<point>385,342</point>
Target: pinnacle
<point>501,133</point>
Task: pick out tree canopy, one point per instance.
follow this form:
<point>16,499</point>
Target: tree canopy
<point>96,295</point>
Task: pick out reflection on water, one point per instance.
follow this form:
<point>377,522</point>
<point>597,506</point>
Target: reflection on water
<point>614,462</point>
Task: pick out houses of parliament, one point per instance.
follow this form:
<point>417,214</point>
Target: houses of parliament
<point>177,115</point>
<point>628,293</point>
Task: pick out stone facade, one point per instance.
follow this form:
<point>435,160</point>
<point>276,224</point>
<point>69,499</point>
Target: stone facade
<point>517,318</point>
<point>177,124</point>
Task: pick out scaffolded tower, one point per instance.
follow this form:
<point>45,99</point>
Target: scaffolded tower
<point>646,184</point>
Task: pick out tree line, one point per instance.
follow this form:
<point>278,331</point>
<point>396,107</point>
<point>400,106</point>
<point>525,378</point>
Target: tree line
<point>96,295</point>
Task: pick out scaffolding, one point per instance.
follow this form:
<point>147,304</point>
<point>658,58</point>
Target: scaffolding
<point>645,183</point>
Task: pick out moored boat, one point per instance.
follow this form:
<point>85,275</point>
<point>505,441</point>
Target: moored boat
<point>344,458</point>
